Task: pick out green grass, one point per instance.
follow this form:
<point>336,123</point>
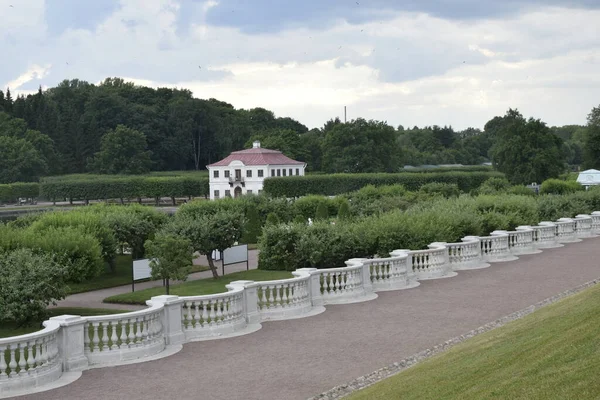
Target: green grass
<point>199,287</point>
<point>7,329</point>
<point>553,353</point>
<point>121,276</point>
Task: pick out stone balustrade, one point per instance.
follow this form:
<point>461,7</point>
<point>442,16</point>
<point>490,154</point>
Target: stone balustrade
<point>495,248</point>
<point>30,360</point>
<point>544,235</point>
<point>466,255</point>
<point>520,241</point>
<point>109,339</point>
<point>583,226</point>
<point>73,343</point>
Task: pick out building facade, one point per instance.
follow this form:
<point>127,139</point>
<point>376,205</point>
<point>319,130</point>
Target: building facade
<point>244,171</point>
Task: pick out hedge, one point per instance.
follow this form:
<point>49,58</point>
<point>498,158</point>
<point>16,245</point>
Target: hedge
<point>10,193</point>
<point>334,184</point>
<point>99,187</point>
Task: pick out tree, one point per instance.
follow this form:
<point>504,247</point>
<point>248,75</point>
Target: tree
<point>252,228</point>
<point>170,257</point>
<point>526,150</point>
<point>208,232</point>
<point>591,152</point>
<point>20,161</point>
<point>344,211</point>
<point>28,284</point>
<point>322,212</point>
<point>272,219</point>
<point>123,151</point>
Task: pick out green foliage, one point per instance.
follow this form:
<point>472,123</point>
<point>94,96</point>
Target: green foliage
<point>29,282</point>
<point>170,257</point>
<point>557,186</point>
<point>521,191</point>
<point>299,219</point>
<point>97,187</point>
<point>331,185</point>
<point>20,161</point>
<point>272,219</point>
<point>122,151</point>
<point>446,190</point>
<point>591,145</point>
<point>344,211</point>
<point>252,228</point>
<point>526,150</point>
<point>306,206</point>
<point>494,185</point>
<point>10,193</point>
<point>322,212</point>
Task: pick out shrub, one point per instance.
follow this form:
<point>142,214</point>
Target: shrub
<point>277,246</point>
<point>252,228</point>
<point>322,212</point>
<point>307,206</point>
<point>272,219</point>
<point>299,219</point>
<point>335,184</point>
<point>521,191</point>
<point>445,189</point>
<point>557,186</point>
<point>10,193</point>
<point>344,211</point>
<point>29,282</point>
<point>494,185</point>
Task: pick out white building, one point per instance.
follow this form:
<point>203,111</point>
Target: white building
<point>591,177</point>
<point>243,172</point>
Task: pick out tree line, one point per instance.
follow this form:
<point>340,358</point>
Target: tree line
<point>117,127</point>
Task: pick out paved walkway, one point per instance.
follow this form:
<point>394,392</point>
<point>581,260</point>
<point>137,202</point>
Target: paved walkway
<point>94,299</point>
<point>300,358</point>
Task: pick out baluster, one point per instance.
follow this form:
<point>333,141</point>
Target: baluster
<point>196,313</point>
<point>340,284</point>
<point>227,309</point>
<point>212,304</point>
<point>3,365</point>
<point>131,334</point>
<point>86,337</point>
<point>285,297</point>
<point>31,350</point>
<point>96,339</point>
<point>219,314</point>
<point>189,317</point>
<point>44,351</point>
<point>22,363</point>
<point>271,296</point>
<point>123,336</point>
<point>114,339</point>
<point>104,336</point>
<point>13,360</point>
<point>138,330</point>
<point>204,313</point>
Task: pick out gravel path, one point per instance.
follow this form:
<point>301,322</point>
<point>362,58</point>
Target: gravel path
<point>297,359</point>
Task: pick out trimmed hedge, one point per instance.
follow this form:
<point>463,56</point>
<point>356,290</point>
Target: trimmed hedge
<point>334,184</point>
<point>100,187</point>
<point>10,193</point>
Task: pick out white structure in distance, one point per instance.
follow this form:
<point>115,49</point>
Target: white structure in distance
<point>244,171</point>
<point>591,177</point>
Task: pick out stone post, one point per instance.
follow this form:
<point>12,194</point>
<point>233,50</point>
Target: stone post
<point>314,286</point>
<point>250,297</point>
<point>411,276</point>
<point>171,317</point>
<point>71,343</point>
<point>365,271</point>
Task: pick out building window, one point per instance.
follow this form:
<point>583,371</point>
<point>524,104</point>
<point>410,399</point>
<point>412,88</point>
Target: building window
<point>278,172</point>
<point>226,174</point>
<point>249,173</point>
<point>215,174</point>
<point>260,173</point>
<point>284,172</point>
<point>297,171</point>
<point>272,172</point>
<point>228,193</point>
<point>291,172</point>
<point>216,194</point>
<point>249,191</point>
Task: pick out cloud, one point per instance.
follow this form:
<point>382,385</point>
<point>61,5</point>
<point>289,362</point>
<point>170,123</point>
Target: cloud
<point>411,67</point>
<point>34,72</point>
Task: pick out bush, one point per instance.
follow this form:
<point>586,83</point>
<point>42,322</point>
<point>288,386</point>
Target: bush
<point>494,185</point>
<point>335,184</point>
<point>322,212</point>
<point>521,191</point>
<point>252,228</point>
<point>29,282</point>
<point>557,186</point>
<point>10,193</point>
<point>307,206</point>
<point>272,219</point>
<point>437,188</point>
<point>344,211</point>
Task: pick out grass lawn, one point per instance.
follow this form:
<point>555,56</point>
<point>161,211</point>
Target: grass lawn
<point>199,287</point>
<point>7,330</point>
<point>122,276</point>
<point>553,353</point>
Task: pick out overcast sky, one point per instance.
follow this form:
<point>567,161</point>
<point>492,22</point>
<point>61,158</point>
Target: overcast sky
<point>409,62</point>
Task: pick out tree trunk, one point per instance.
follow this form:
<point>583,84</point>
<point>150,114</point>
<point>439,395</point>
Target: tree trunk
<point>122,202</point>
<point>157,201</point>
<point>173,200</point>
<point>140,200</point>
<point>211,264</point>
<point>113,265</point>
<point>167,285</point>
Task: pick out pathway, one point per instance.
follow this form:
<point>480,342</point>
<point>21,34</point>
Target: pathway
<point>94,299</point>
<point>296,359</point>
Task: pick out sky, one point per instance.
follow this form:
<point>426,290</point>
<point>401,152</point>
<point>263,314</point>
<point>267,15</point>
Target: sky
<point>407,62</point>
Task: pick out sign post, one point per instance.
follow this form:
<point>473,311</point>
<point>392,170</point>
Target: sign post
<point>141,270</point>
<point>235,255</point>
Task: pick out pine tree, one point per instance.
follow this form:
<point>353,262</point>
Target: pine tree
<point>8,101</point>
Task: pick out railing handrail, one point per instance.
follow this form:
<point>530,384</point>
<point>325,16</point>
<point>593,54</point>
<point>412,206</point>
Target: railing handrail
<point>113,317</point>
<point>281,281</point>
<point>339,269</point>
<point>231,291</point>
<point>50,327</point>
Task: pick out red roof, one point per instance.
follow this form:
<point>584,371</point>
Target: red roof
<point>257,156</point>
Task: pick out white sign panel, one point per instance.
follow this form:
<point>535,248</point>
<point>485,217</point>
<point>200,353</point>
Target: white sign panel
<point>141,269</point>
<point>236,254</point>
<point>216,255</point>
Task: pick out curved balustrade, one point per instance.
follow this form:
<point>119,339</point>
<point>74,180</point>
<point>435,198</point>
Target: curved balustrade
<point>544,235</point>
<point>565,231</point>
<point>495,248</point>
<point>583,226</point>
<point>122,337</point>
<point>431,263</point>
<point>72,343</point>
<point>213,315</point>
<point>286,298</point>
<point>520,241</point>
<point>466,254</point>
<point>343,285</point>
<point>391,273</point>
<point>30,360</point>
